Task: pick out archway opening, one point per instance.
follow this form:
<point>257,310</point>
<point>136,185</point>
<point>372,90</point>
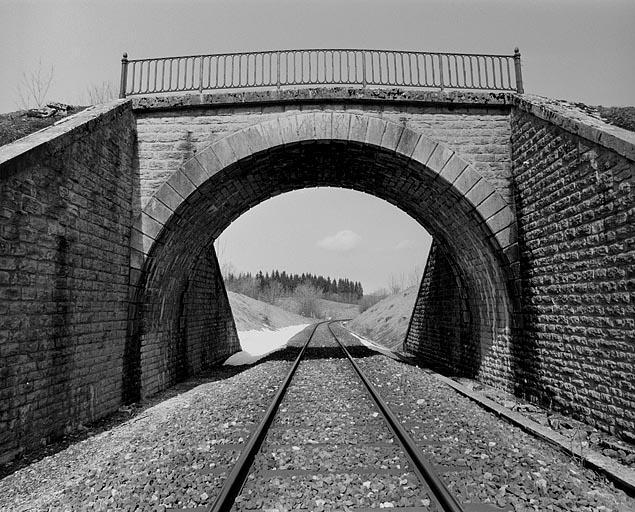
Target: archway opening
<point>323,253</point>
<point>180,277</point>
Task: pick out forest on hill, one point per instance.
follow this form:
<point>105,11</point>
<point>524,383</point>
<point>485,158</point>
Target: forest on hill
<point>271,286</point>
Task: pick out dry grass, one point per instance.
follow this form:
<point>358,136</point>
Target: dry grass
<point>15,125</point>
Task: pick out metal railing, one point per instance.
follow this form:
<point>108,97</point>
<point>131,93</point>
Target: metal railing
<point>282,68</point>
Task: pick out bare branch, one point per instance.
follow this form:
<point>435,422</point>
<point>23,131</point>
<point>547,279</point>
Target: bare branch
<point>34,87</point>
<point>102,93</point>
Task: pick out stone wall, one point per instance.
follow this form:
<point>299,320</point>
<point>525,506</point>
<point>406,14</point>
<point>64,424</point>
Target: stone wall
<point>187,324</point>
<point>475,126</point>
<point>441,331</point>
<point>574,201</point>
<point>65,221</point>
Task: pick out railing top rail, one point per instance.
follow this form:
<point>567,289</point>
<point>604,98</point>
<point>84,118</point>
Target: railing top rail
<point>300,50</point>
<point>321,66</point>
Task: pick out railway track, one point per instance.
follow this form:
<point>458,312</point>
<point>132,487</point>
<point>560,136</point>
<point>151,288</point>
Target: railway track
<point>329,441</point>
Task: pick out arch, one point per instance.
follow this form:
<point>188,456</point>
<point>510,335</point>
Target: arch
<point>426,179</point>
<point>457,173</point>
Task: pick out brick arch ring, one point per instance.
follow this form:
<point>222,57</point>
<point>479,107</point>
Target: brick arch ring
<point>466,181</point>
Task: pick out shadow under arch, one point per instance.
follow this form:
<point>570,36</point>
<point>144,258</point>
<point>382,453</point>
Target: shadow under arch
<point>423,178</point>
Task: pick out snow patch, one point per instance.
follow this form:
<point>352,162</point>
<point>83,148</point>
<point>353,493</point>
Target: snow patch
<point>256,344</point>
<point>374,346</point>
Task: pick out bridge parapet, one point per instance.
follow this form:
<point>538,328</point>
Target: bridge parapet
<point>280,68</point>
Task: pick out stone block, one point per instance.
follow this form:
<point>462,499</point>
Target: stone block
<point>150,227</point>
<point>392,136</point>
<point>289,131</point>
<point>375,131</point>
<point>357,128</point>
<point>239,145</point>
<point>493,204</point>
<point>323,125</point>
<point>181,185</point>
<point>340,125</point>
<point>195,172</point>
<point>423,150</point>
<point>306,126</point>
<point>224,152</point>
<point>408,142</point>
<point>479,192</point>
<point>169,197</point>
<point>454,167</point>
<point>500,220</point>
<point>466,180</point>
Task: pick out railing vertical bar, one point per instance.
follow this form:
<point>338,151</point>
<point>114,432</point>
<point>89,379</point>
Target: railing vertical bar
<point>441,77</point>
<point>486,61</point>
<point>147,76</point>
<point>478,70</point>
<point>200,76</point>
<point>433,69</point>
<point>309,54</point>
<point>456,71</point>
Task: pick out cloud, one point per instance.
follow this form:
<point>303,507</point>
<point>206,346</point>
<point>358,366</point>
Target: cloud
<point>341,241</point>
<point>405,244</point>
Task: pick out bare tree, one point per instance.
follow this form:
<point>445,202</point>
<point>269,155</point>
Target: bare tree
<point>395,283</point>
<point>102,93</point>
<point>34,86</point>
<point>414,277</point>
<point>308,297</point>
<point>272,292</point>
<point>226,267</point>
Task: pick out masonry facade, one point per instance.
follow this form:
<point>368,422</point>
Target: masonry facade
<point>530,207</point>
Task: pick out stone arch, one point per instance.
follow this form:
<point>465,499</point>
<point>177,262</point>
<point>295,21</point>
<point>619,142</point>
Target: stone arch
<point>286,130</point>
<point>426,179</point>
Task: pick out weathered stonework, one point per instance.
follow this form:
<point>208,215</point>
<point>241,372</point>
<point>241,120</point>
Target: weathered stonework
<point>65,222</point>
<point>442,318</point>
<point>477,131</point>
<point>576,216</point>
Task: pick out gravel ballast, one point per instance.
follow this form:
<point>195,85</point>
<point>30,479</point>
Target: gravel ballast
<point>481,457</point>
<point>328,449</point>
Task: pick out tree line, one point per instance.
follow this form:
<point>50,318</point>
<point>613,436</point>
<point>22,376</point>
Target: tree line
<point>271,286</point>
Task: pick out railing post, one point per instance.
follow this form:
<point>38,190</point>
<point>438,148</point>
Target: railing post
<point>441,70</point>
<point>518,72</point>
<point>278,71</point>
<point>124,76</point>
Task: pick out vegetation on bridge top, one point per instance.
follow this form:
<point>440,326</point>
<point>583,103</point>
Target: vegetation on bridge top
<point>15,125</point>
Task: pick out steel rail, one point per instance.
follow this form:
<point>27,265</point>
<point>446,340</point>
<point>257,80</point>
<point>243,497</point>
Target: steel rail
<point>447,501</point>
<point>239,472</point>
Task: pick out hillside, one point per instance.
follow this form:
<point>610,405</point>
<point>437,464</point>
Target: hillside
<point>387,321</point>
<point>251,314</point>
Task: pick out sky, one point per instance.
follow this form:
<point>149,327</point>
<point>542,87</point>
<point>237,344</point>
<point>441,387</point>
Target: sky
<point>579,50</point>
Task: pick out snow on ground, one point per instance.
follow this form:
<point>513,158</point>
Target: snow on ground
<point>256,344</point>
<point>374,346</point>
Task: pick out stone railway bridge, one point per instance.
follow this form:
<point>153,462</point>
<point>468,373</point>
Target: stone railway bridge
<point>110,288</point>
